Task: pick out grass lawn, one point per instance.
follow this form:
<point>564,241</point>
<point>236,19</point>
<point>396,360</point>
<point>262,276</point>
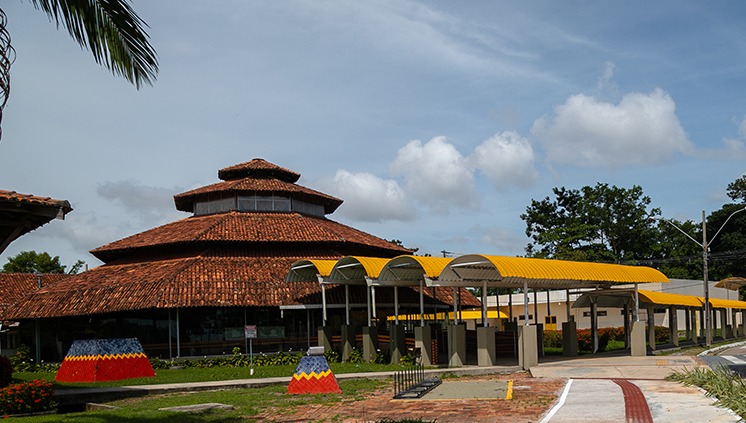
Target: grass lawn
<point>248,402</point>
<point>195,374</point>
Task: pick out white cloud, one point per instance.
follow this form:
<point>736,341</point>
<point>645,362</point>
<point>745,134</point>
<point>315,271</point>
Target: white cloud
<point>641,129</point>
<point>507,159</point>
<point>368,198</point>
<point>436,174</point>
<point>152,205</point>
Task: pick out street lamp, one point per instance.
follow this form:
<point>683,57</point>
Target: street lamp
<point>705,255</point>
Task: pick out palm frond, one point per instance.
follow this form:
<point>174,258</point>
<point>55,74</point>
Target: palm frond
<point>113,33</point>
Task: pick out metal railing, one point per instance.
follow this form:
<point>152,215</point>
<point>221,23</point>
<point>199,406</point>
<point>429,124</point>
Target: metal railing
<point>411,382</point>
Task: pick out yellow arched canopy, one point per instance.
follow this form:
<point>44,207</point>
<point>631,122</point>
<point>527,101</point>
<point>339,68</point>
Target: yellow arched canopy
<point>355,270</point>
<point>501,271</point>
<point>309,270</point>
<point>411,270</point>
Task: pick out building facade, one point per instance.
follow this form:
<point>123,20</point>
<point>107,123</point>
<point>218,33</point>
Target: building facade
<point>188,288</point>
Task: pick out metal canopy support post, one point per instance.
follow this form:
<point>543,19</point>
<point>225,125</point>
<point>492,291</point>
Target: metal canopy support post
<point>536,307</point>
<point>373,301</point>
<point>637,304</point>
<point>347,304</point>
<point>567,304</point>
<point>422,303</point>
<point>484,303</point>
<point>323,303</point>
<point>396,305</point>
<point>367,301</point>
<point>455,310</point>
<point>525,302</point>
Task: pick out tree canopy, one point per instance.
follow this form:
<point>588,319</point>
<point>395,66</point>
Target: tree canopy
<point>33,262</point>
<point>601,223</point>
<point>609,224</point>
<point>737,189</point>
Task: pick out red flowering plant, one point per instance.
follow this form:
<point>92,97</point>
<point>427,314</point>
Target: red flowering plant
<point>26,397</point>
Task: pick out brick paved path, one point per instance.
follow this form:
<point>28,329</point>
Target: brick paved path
<point>532,398</point>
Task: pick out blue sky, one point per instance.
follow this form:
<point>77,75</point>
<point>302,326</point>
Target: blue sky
<point>437,122</point>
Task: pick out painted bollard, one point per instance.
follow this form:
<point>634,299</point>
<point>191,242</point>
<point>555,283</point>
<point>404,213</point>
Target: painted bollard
<point>97,360</point>
<point>313,375</point>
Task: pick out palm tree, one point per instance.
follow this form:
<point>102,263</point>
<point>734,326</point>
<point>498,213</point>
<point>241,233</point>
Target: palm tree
<point>109,29</point>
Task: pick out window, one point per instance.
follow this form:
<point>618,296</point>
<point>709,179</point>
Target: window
<point>601,313</point>
<point>215,206</point>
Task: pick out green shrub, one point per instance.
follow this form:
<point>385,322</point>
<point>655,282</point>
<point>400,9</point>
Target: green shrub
<point>552,339</point>
<point>727,386</point>
<point>356,356</point>
<point>26,397</point>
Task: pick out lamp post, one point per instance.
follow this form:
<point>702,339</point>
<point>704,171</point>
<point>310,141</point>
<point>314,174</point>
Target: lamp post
<point>705,255</point>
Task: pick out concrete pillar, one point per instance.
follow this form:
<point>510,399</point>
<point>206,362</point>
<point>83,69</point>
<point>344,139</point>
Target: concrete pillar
<point>348,341</point>
<point>325,338</point>
<point>626,326</point>
<point>637,340</point>
<point>734,324</point>
<point>693,313</point>
<point>540,339</point>
<point>569,339</point>
<point>423,339</point>
<point>651,327</point>
<point>456,345</point>
<point>594,326</point>
<point>528,354</point>
<point>370,343</point>
<point>688,321</point>
<point>486,355</point>
<point>727,331</point>
<point>397,343</point>
<point>673,326</point>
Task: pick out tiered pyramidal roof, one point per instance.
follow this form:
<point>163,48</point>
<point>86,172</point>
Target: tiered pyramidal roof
<point>235,250</point>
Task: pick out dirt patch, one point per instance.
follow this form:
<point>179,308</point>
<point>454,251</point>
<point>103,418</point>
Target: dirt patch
<point>529,403</point>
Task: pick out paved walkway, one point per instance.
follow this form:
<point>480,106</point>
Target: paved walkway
<point>629,389</point>
<point>582,389</point>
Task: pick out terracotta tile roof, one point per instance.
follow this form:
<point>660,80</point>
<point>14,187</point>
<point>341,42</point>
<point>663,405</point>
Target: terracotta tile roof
<point>258,168</point>
<point>185,200</point>
<point>184,283</point>
<point>22,213</point>
<point>249,229</point>
<point>12,196</point>
<point>14,286</point>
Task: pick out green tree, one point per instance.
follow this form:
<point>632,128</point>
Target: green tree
<point>601,223</point>
<point>676,255</point>
<point>109,29</point>
<point>728,249</point>
<point>737,189</point>
<point>33,262</point>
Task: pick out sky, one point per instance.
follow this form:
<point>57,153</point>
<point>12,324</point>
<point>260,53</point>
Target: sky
<point>436,122</point>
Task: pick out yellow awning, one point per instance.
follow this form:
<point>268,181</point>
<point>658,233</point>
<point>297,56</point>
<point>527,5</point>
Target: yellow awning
<point>307,270</point>
<point>664,298</point>
<point>411,270</point>
<point>720,303</point>
<point>476,269</point>
<point>355,269</point>
<point>463,315</point>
